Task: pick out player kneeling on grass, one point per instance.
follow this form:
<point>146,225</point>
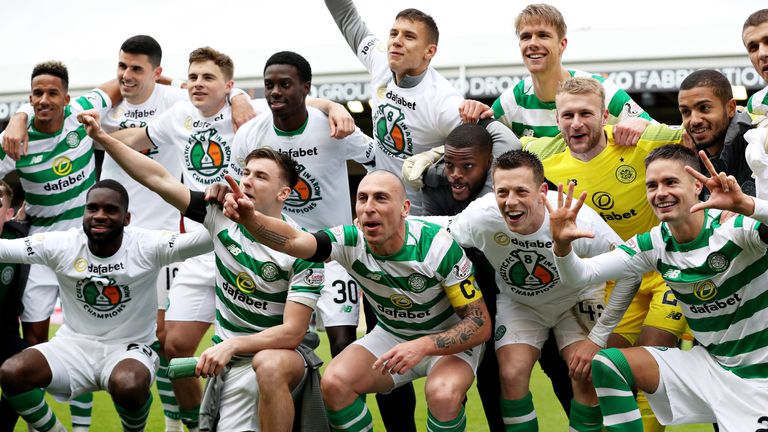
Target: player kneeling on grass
<point>432,318</point>
<point>106,274</point>
<point>717,270</point>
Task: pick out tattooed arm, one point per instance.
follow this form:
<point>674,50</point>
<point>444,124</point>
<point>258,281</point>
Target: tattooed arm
<point>270,231</point>
<point>473,329</point>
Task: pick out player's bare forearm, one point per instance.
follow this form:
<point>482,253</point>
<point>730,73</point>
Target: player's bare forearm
<point>473,329</point>
<point>146,171</point>
<point>272,232</point>
<point>287,335</point>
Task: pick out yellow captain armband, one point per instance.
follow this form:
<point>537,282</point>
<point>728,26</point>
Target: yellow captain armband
<point>464,292</point>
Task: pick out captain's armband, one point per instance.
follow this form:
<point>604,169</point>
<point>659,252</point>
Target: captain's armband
<point>464,292</point>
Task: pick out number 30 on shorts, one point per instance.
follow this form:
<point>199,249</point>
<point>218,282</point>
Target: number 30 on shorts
<point>347,291</point>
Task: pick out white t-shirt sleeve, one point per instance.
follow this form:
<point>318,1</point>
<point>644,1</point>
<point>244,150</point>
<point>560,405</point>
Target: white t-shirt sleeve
<point>35,249</point>
<point>359,147</point>
<point>160,131</point>
<point>173,247</point>
<point>372,52</point>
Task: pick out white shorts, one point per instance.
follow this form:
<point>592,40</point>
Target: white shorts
<point>39,298</point>
<point>694,388</point>
<point>192,296</point>
<point>379,341</point>
<point>164,282</point>
<point>339,303</point>
<point>80,365</point>
<point>239,403</point>
<point>518,323</point>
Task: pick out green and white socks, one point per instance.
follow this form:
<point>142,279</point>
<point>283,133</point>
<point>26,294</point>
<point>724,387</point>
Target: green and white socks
<point>32,407</point>
<point>80,409</point>
<point>168,398</point>
<point>613,382</point>
<point>353,418</point>
<point>135,421</point>
<point>519,414</point>
<point>458,424</point>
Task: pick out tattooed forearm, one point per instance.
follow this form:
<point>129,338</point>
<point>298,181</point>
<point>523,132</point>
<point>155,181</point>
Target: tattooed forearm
<point>474,317</point>
<point>273,237</point>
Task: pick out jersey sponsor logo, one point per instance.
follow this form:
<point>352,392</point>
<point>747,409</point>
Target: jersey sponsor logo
<point>314,277</point>
<point>379,45</point>
<point>300,152</point>
<point>417,283</point>
<point>62,166</point>
<point>28,246</point>
<point>64,183</point>
<point>705,290</point>
<point>626,174</point>
<point>392,134</point>
<point>632,108</point>
<point>501,239</point>
<point>207,156</point>
<point>499,333</point>
<point>269,271</point>
<point>104,269</point>
<point>602,200</point>
<point>243,298</point>
<point>245,283</point>
<point>528,273</point>
<point>72,139</point>
<point>7,275</point>
<point>101,296</point>
<point>401,301</point>
<point>305,193</point>
<point>716,305</point>
<point>396,313</point>
<point>396,98</point>
<point>132,123</point>
<point>718,262</point>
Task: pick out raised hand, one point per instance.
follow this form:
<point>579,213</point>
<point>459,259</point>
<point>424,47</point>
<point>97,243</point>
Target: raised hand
<point>562,220</point>
<point>236,205</point>
<point>725,192</point>
<point>92,123</point>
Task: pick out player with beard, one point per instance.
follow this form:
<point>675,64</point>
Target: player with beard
<point>106,275</point>
<point>709,115</point>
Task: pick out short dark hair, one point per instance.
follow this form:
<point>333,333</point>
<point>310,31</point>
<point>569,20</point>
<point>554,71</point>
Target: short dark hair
<point>143,44</point>
<point>755,19</point>
<point>520,158</point>
<point>674,152</point>
<point>470,135</point>
<point>416,15</point>
<point>287,165</point>
<point>115,186</point>
<point>293,59</point>
<point>711,78</point>
<point>54,68</point>
<point>223,61</point>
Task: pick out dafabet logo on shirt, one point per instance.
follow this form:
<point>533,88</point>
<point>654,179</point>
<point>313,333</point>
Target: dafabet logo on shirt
<point>207,156</point>
<point>101,296</point>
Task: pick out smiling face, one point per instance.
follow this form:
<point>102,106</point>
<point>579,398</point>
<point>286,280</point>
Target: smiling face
<point>540,47</point>
<point>518,197</point>
<point>409,50</point>
<point>136,76</point>
<point>466,169</point>
<point>207,87</point>
<point>755,39</point>
<point>381,208</point>
<point>48,98</point>
<point>581,118</point>
<point>670,190</point>
<point>705,116</point>
<point>285,91</point>
<point>105,217</point>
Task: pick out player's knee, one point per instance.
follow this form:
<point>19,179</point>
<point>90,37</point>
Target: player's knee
<point>23,372</point>
<point>12,374</point>
<point>129,386</point>
<point>176,345</point>
<point>270,373</point>
<point>333,386</point>
<point>514,376</point>
<point>444,397</point>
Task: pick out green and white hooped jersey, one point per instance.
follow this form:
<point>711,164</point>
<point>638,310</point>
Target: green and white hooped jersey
<point>205,143</point>
<point>525,264</point>
<point>59,169</point>
<point>407,121</point>
<point>414,291</point>
<point>720,279</point>
<point>147,209</point>
<point>758,102</point>
<point>522,111</point>
<point>321,197</point>
<point>253,282</point>
<point>108,299</point>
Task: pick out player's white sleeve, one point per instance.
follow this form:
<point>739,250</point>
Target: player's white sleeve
<point>359,147</point>
<point>96,99</point>
<point>175,247</point>
<point>621,297</point>
<point>612,265</point>
<point>757,159</point>
<point>32,249</point>
<point>6,163</point>
<point>241,148</point>
<point>160,130</point>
